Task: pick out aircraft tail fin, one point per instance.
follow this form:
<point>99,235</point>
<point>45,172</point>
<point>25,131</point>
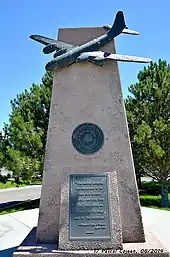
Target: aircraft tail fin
<point>118,25</point>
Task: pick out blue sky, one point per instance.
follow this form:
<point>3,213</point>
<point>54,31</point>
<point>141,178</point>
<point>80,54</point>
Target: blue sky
<point>22,61</point>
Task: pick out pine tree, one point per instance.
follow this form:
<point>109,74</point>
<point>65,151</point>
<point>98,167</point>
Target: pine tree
<point>148,113</point>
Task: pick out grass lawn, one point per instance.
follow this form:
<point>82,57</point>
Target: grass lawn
<point>154,207</point>
<point>158,196</point>
<point>7,211</point>
<point>24,206</point>
<point>10,184</point>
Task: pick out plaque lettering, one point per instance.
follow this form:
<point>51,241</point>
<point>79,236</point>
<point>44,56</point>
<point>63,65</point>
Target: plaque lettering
<point>89,207</point>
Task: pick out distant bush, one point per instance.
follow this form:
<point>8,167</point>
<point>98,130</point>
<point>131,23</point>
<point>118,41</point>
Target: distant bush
<point>8,176</point>
<point>3,179</point>
<point>36,181</point>
<point>151,188</point>
<point>150,200</point>
<point>18,181</point>
<point>26,182</point>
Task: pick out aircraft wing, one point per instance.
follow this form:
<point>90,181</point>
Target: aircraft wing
<point>128,58</point>
<point>51,45</point>
<point>99,57</point>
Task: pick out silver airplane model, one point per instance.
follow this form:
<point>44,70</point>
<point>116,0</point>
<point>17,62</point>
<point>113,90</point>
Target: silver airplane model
<point>67,54</point>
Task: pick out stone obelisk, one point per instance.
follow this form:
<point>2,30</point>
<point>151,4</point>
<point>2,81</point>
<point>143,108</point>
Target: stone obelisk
<point>87,93</point>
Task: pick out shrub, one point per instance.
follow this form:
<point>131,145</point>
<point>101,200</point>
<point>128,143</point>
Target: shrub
<point>150,200</point>
<point>8,176</point>
<point>151,188</point>
<point>26,182</point>
<point>18,181</point>
<point>3,179</point>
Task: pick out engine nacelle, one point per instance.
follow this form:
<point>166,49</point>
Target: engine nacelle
<point>60,52</point>
<point>50,48</point>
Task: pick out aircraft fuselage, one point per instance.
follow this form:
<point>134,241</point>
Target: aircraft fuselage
<point>71,56</point>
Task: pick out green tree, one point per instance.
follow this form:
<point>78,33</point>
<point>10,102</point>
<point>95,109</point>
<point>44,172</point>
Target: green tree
<point>1,150</point>
<point>3,147</point>
<point>27,129</point>
<point>148,114</point>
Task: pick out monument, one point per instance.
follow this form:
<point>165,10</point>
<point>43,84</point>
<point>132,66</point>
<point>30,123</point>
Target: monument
<point>89,200</point>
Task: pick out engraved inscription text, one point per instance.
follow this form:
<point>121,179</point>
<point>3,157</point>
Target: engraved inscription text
<point>89,207</point>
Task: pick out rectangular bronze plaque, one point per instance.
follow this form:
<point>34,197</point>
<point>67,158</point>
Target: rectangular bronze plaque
<point>89,207</point>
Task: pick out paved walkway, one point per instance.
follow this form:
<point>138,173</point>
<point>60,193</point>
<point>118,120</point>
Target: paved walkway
<point>15,227</point>
<point>159,221</point>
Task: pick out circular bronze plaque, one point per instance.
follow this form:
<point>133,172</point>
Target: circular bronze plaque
<point>87,138</point>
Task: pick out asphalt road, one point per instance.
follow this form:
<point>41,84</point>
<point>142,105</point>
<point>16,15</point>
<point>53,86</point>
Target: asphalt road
<point>20,194</point>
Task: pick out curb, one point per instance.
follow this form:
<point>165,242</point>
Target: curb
<point>18,188</point>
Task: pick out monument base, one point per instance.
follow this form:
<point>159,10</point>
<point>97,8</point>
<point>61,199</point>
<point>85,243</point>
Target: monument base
<point>152,247</point>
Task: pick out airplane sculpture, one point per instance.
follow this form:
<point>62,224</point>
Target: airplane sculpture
<point>67,54</point>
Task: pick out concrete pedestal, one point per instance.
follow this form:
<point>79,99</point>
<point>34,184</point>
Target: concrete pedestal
<point>88,93</point>
<point>152,247</point>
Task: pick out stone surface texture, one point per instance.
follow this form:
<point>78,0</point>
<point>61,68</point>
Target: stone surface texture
<point>88,93</point>
<point>116,233</point>
<point>29,249</point>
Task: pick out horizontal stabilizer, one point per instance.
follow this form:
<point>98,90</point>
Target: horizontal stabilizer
<point>125,30</point>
